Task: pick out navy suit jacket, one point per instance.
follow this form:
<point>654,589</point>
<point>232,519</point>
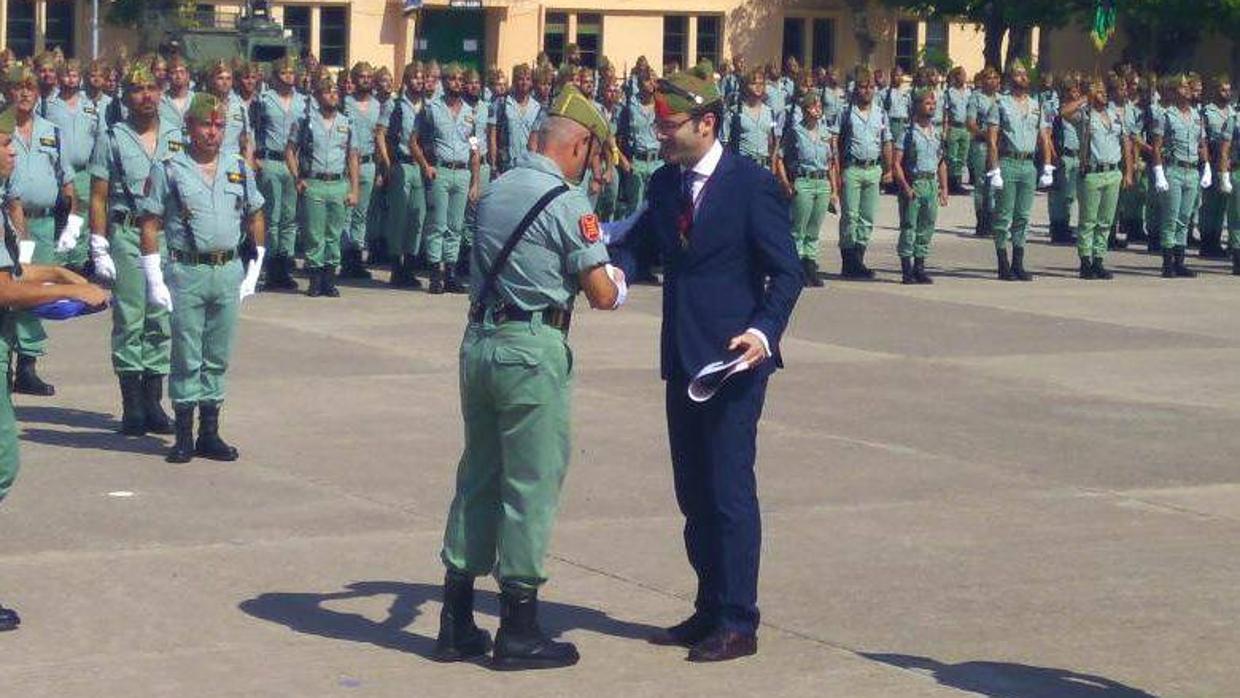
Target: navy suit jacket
<point>739,270</point>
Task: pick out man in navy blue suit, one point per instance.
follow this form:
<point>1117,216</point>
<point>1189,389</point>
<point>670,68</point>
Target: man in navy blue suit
<point>731,280</point>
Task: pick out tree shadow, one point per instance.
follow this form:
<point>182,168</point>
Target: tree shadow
<point>95,431</point>
<point>303,612</point>
<point>1011,680</point>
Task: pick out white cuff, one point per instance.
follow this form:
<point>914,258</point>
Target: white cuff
<point>766,344</point>
<point>622,287</point>
<point>152,266</point>
<point>25,251</point>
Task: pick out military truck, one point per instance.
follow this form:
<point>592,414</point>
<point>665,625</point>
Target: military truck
<point>252,34</point>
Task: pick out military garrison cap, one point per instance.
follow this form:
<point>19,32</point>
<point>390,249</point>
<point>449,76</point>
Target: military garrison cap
<point>685,93</point>
<point>138,75</point>
<point>574,106</point>
<point>204,106</point>
<point>325,84</point>
<point>19,74</point>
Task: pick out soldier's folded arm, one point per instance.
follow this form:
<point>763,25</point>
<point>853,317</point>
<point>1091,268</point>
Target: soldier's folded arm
<point>599,288</point>
<point>99,207</point>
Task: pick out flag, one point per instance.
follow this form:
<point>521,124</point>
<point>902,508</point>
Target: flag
<point>1103,27</point>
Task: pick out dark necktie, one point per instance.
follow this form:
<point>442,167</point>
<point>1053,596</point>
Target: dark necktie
<point>684,222</point>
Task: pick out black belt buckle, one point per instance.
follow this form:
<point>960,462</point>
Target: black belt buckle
<point>813,174</point>
<point>853,162</point>
<point>1184,164</point>
<point>125,218</point>
<point>455,165</point>
<point>365,159</point>
<point>327,177</point>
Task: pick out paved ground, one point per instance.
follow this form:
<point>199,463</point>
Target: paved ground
<point>1016,490</point>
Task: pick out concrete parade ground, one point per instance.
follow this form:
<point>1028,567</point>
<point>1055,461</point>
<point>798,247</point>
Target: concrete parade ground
<point>1015,490</point>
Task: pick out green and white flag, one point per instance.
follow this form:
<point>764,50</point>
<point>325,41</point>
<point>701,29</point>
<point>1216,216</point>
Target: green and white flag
<point>1103,26</point>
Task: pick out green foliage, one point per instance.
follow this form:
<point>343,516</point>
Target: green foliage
<point>937,57</point>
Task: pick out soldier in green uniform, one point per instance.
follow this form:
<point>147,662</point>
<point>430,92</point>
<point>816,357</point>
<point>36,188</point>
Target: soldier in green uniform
<point>1131,211</point>
<point>406,215</point>
<point>42,180</point>
<point>608,204</point>
<point>956,108</point>
<point>78,121</point>
<point>896,101</point>
<point>810,175</point>
<point>476,100</point>
<point>865,151</point>
<point>1015,130</point>
<point>921,175</point>
<point>364,112</point>
<point>516,379</point>
<point>203,201</point>
<point>1229,172</point>
<point>322,157</point>
<point>752,129</point>
<point>638,141</point>
<point>1152,110</point>
<point>119,167</point>
<point>1179,149</point>
<point>1217,116</point>
<point>981,100</point>
<point>23,287</point>
<point>275,111</point>
<point>176,100</point>
<point>1067,166</point>
<point>1105,166</point>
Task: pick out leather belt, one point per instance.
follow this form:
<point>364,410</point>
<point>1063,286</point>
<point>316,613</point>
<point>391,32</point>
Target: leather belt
<point>1094,168</point>
<point>454,165</point>
<point>271,155</point>
<point>552,317</point>
<point>215,258</point>
<point>1186,164</point>
<point>1017,156</point>
<point>404,159</point>
<point>813,174</point>
<point>365,159</point>
<point>326,177</point>
<point>36,212</point>
<point>925,175</point>
<point>853,162</point>
<point>897,120</point>
<point>122,218</point>
<point>762,160</point>
<point>1068,152</point>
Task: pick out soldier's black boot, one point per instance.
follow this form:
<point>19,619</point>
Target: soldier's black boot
<point>1212,245</point>
<point>26,379</point>
<point>157,421</point>
<point>906,271</point>
<point>209,444</point>
<point>1087,268</point>
<point>1005,269</point>
<point>182,450</point>
<point>919,271</point>
<point>290,266</point>
<point>9,620</point>
<point>378,252</point>
<point>863,271</point>
<point>1100,270</point>
<point>133,421</point>
<point>1155,242</point>
<point>351,266</point>
<point>1235,262</point>
<point>1180,269</point>
<point>314,282</point>
<point>462,262</point>
<point>846,264</point>
<point>450,283</point>
<point>410,271</point>
<point>1168,269</point>
<point>397,279</point>
<point>1018,265</point>
<point>811,274</point>
<point>1136,230</point>
<point>520,642</point>
<point>459,637</point>
<point>436,286</point>
<point>329,282</point>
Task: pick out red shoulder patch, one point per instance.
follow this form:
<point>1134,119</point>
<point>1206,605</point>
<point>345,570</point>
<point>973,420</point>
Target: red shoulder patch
<point>590,229</point>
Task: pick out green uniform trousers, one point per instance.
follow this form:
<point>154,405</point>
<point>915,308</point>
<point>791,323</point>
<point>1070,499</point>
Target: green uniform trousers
<point>1062,196</point>
<point>983,195</point>
<point>1014,201</point>
<point>608,205</point>
<point>958,143</point>
<point>326,218</point>
<point>406,210</point>
<point>809,208</point>
<point>355,231</point>
<point>1132,200</point>
<point>205,301</point>
<point>77,256</point>
<point>30,339</point>
<point>515,382</point>
<point>471,209</point>
<point>918,215</point>
<point>1098,194</point>
<point>446,224</point>
<point>1179,205</point>
<point>279,207</point>
<point>859,201</point>
<point>635,184</point>
<point>1233,210</point>
<point>1213,214</point>
<point>141,331</point>
<point>9,462</point>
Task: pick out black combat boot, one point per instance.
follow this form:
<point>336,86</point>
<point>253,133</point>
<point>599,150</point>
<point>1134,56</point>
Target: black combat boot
<point>182,450</point>
<point>397,279</point>
<point>26,379</point>
<point>1212,245</point>
<point>378,252</point>
<point>1018,265</point>
<point>906,271</point>
<point>1005,269</point>
<point>314,286</point>
<point>436,287</point>
<point>1114,242</point>
<point>328,282</point>
<point>459,637</point>
<point>1087,268</point>
<point>451,284</point>
<point>157,421</point>
<point>209,444</point>
<point>1168,269</point>
<point>290,266</point>
<point>9,620</point>
<point>863,271</point>
<point>1235,262</point>
<point>462,262</point>
<point>1155,242</point>
<point>410,273</point>
<point>1180,269</point>
<point>520,642</point>
<point>919,271</point>
<point>1136,230</point>
<point>351,266</point>
<point>1100,270</point>
<point>133,420</point>
<point>812,279</point>
<point>846,263</point>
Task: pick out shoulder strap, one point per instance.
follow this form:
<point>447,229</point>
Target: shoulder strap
<point>501,260</point>
<point>184,210</point>
<point>119,166</point>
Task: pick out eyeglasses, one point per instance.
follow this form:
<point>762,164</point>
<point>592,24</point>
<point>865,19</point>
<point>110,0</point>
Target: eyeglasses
<point>670,126</point>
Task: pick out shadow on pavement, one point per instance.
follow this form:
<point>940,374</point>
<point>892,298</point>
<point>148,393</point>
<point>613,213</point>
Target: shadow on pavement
<point>99,431</point>
<point>304,613</point>
<point>1009,680</point>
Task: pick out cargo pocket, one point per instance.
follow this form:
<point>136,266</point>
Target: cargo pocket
<point>520,377</point>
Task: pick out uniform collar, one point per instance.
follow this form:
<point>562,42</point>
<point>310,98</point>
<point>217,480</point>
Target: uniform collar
<point>541,163</point>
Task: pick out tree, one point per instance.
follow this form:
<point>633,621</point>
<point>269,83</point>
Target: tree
<point>862,31</point>
<point>1163,34</point>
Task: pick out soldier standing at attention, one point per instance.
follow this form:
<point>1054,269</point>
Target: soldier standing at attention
<point>1179,149</point>
<point>78,123</point>
<point>956,108</point>
<point>475,98</point>
<point>275,112</point>
<point>921,175</point>
<point>219,80</point>
<point>752,129</point>
<point>1217,116</point>
<point>453,128</point>
<point>123,156</point>
<point>639,144</point>
<point>364,112</point>
<point>1229,172</point>
<point>1128,213</point>
<point>1067,166</point>
<point>42,180</point>
<point>516,384</point>
<point>896,103</point>
<point>608,205</point>
<point>513,121</point>
<point>406,191</point>
<point>981,100</point>
<point>203,201</point>
<point>864,145</point>
<point>811,178</point>
<point>176,100</point>
<point>322,157</point>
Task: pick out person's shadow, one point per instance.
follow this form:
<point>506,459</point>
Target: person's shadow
<point>1010,680</point>
<point>304,613</point>
<point>96,431</point>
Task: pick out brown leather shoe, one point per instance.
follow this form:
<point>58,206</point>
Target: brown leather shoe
<point>688,633</point>
<point>723,645</point>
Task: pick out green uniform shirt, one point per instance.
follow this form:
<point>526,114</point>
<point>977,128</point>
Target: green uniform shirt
<point>896,102</point>
<point>454,136</point>
<point>1105,135</point>
<point>519,122</point>
<point>199,215</point>
<point>323,147</point>
<point>542,270</point>
<point>866,133</point>
<point>922,150</point>
<point>364,122</point>
<point>482,115</point>
<point>235,125</point>
<point>749,130</point>
<point>78,127</point>
<point>274,123</point>
<point>172,114</point>
<point>832,105</point>
<point>957,105</point>
<point>813,148</point>
<point>940,108</point>
<point>42,166</point>
<point>1182,134</point>
<point>1019,124</point>
<point>978,107</point>
<point>638,124</point>
<point>777,99</point>
<point>133,159</point>
<point>402,120</point>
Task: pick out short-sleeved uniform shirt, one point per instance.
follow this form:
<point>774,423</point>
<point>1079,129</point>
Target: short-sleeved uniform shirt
<point>1105,135</point>
<point>561,243</point>
<point>78,124</point>
<point>1217,123</point>
<point>121,158</point>
<point>813,147</point>
<point>777,99</point>
<point>957,105</point>
<point>453,136</point>
<point>1019,124</point>
<point>978,107</point>
<point>640,132</point>
<point>323,146</point>
<point>749,130</point>
<point>519,120</point>
<point>832,104</point>
<point>39,161</point>
<point>402,121</point>
<point>235,125</point>
<point>213,211</point>
<point>274,121</point>
<point>482,115</point>
<point>171,112</point>
<point>921,150</point>
<point>867,132</point>
<point>896,102</point>
<point>1182,134</point>
<point>364,122</point>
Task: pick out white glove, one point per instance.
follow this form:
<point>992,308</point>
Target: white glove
<point>249,285</point>
<point>1048,176</point>
<point>1207,177</point>
<point>105,268</point>
<point>70,233</point>
<point>25,251</point>
<point>622,287</point>
<point>1160,179</point>
<point>156,290</point>
<point>1224,179</point>
<point>996,178</point>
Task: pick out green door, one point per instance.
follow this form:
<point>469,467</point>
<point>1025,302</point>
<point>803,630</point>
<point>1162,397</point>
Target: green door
<point>453,36</point>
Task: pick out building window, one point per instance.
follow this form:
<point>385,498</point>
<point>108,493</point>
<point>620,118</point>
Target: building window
<point>555,36</point>
<point>824,43</point>
<point>297,21</point>
<point>60,27</point>
<point>675,41</point>
<point>936,38</point>
<point>708,33</point>
<point>19,35</point>
<point>590,38</point>
<point>906,45</point>
<point>794,39</point>
<point>334,36</point>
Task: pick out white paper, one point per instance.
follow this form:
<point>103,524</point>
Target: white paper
<point>710,379</point>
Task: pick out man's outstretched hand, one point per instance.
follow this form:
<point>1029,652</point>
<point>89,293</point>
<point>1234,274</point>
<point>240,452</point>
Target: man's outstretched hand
<point>752,345</point>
